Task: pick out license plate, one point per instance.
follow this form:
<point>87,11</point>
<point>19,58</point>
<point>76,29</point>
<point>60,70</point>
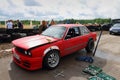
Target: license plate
<point>16,56</point>
<point>115,31</point>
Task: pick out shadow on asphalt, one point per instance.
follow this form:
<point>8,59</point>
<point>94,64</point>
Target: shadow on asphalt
<point>69,68</point>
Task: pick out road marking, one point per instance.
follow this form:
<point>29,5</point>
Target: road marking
<point>59,74</point>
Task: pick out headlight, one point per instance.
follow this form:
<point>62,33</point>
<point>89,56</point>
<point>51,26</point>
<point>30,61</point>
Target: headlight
<point>27,53</point>
<point>110,29</point>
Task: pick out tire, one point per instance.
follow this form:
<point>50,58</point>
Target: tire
<point>90,46</point>
<point>51,60</point>
<point>110,33</point>
<point>0,41</point>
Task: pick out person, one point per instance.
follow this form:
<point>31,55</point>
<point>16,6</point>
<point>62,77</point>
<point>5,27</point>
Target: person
<point>14,24</point>
<point>43,26</point>
<point>52,22</point>
<point>19,24</point>
<point>9,26</point>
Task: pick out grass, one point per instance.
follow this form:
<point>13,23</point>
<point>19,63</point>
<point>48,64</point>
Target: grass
<point>2,26</point>
<point>24,26</point>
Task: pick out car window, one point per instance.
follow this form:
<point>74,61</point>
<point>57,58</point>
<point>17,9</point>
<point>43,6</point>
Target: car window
<point>73,32</point>
<point>54,31</point>
<point>77,31</point>
<point>84,30</point>
<point>116,25</point>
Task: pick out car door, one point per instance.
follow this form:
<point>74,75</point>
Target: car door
<point>72,41</point>
<point>85,36</point>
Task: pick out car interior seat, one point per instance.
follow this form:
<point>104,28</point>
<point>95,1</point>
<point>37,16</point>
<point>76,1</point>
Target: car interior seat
<point>72,32</point>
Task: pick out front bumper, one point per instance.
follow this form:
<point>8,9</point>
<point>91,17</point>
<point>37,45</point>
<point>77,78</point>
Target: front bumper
<point>115,31</point>
<point>25,62</point>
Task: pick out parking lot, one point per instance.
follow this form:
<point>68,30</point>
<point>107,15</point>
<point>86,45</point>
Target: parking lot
<point>107,57</point>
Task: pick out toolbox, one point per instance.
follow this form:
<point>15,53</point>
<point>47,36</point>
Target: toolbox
<point>92,70</point>
<point>97,73</point>
<point>101,76</point>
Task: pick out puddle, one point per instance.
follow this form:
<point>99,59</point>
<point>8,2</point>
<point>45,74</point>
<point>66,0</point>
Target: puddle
<point>108,56</point>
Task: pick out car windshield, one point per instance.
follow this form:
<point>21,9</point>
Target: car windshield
<point>54,31</point>
<point>116,25</point>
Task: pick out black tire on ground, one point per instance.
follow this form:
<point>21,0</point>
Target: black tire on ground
<point>90,46</point>
<point>51,60</point>
<point>110,33</point>
<point>0,40</point>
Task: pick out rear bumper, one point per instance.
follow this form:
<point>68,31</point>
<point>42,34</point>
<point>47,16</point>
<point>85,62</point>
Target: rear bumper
<point>28,63</point>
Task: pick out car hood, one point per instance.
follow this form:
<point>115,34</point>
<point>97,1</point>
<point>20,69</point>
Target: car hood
<point>115,27</point>
<point>33,41</point>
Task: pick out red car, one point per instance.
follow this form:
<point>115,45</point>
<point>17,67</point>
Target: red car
<point>46,49</point>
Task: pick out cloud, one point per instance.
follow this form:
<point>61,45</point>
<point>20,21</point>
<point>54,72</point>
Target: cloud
<point>59,9</point>
<point>11,3</point>
<point>31,3</point>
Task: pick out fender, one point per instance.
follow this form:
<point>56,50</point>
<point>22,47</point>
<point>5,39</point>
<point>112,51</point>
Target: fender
<point>89,39</point>
<point>51,48</point>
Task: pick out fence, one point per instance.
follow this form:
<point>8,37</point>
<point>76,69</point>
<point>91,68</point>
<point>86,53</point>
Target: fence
<point>26,26</point>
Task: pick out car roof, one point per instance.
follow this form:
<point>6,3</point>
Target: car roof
<point>69,25</point>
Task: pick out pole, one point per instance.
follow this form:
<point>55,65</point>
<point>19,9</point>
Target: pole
<point>31,23</point>
<point>98,41</point>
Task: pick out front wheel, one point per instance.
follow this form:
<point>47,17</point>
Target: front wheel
<point>110,33</point>
<point>90,46</point>
<point>51,59</point>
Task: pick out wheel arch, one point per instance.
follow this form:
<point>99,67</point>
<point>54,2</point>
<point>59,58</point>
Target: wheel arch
<point>87,46</point>
<point>90,39</point>
<point>47,51</point>
<point>50,49</point>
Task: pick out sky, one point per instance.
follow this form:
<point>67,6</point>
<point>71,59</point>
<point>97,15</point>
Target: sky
<point>59,9</point>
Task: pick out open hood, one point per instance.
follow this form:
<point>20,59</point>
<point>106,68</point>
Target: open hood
<point>33,41</point>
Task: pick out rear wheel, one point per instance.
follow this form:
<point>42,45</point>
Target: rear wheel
<point>90,46</point>
<point>51,59</point>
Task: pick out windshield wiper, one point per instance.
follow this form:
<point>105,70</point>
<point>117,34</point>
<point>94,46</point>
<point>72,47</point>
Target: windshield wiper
<point>48,35</point>
<point>44,35</point>
<point>52,36</point>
